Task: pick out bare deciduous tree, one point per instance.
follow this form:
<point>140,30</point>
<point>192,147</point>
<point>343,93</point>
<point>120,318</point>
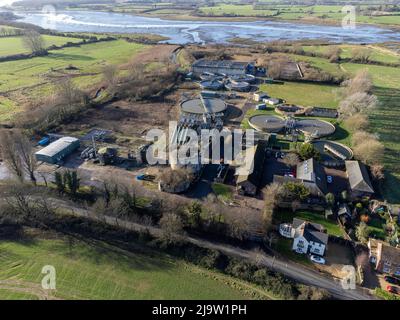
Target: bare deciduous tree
<point>110,73</point>
<point>377,171</point>
<point>362,82</point>
<point>333,53</point>
<point>10,154</point>
<point>175,179</point>
<point>291,159</point>
<point>370,152</point>
<point>34,42</point>
<point>172,227</point>
<point>367,148</point>
<point>67,93</point>
<point>359,102</point>
<point>26,153</point>
<point>361,55</point>
<point>272,195</point>
<point>361,136</point>
<point>357,121</point>
<point>18,154</point>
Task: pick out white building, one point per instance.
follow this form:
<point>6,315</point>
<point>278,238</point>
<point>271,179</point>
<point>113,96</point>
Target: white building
<point>309,238</point>
<point>259,96</point>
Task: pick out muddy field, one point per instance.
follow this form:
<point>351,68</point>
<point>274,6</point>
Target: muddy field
<point>128,120</point>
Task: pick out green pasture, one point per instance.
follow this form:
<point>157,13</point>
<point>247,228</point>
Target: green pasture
<point>99,271</point>
<point>15,45</point>
<point>305,94</point>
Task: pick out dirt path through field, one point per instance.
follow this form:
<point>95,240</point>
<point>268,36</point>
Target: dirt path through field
<point>28,288</point>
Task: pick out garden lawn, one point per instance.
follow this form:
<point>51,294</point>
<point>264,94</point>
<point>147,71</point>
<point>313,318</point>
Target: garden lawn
<point>285,247</point>
<point>100,271</point>
<point>286,216</point>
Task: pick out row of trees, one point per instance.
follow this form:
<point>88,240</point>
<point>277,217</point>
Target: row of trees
<point>357,102</point>
<point>10,32</point>
<point>67,181</point>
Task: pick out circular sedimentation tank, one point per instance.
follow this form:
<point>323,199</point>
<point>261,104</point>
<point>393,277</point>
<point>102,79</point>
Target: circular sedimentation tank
<point>244,78</point>
<point>315,128</point>
<point>203,106</point>
<point>341,150</point>
<point>237,86</point>
<point>207,76</point>
<point>265,123</point>
<point>212,84</point>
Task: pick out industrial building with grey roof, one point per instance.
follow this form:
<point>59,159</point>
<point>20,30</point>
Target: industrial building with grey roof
<point>58,150</point>
<point>227,67</point>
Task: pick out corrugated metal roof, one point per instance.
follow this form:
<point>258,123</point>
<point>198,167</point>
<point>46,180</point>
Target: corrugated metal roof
<point>57,146</point>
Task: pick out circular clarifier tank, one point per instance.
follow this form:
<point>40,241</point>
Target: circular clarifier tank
<point>265,123</point>
<point>203,106</point>
<point>212,84</point>
<point>331,150</point>
<point>244,78</point>
<point>315,128</point>
<point>237,86</point>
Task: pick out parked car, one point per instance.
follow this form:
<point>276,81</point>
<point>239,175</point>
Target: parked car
<point>393,290</point>
<point>329,179</point>
<point>145,177</point>
<point>317,259</point>
<point>392,280</point>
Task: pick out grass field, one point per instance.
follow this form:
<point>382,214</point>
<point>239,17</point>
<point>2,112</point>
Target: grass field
<point>88,59</point>
<point>304,94</point>
<point>232,9</point>
<point>378,53</point>
<point>385,121</point>
<point>319,13</point>
<point>14,45</point>
<point>36,77</point>
<point>7,109</point>
<point>99,271</point>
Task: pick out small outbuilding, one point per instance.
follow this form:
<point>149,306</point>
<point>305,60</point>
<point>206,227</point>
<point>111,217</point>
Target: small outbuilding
<point>259,96</point>
<point>272,101</point>
<point>58,150</point>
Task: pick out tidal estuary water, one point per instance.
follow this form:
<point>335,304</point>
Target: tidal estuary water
<point>182,32</point>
